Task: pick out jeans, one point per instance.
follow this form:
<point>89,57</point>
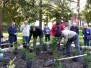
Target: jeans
<point>76,42</point>
<point>41,43</point>
<point>47,37</point>
<point>25,38</point>
<point>86,41</point>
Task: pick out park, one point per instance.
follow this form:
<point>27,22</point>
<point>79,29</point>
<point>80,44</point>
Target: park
<point>38,13</point>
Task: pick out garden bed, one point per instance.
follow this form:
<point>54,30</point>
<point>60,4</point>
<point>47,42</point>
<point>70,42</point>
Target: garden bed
<point>39,61</point>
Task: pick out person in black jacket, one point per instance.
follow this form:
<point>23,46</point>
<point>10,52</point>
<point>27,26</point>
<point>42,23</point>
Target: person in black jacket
<point>36,31</point>
<point>74,28</point>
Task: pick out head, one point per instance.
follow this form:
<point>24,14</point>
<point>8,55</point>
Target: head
<point>26,22</point>
<point>13,24</point>
<point>58,22</point>
<point>74,24</point>
<point>33,28</point>
<point>45,25</point>
<point>85,25</point>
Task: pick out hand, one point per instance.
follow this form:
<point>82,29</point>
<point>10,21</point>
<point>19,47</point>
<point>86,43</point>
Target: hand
<point>58,43</point>
<point>15,33</point>
<point>87,32</point>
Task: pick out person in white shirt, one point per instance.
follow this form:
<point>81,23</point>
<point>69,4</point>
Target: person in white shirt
<point>25,31</point>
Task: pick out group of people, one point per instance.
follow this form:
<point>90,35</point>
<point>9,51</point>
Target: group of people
<point>57,30</point>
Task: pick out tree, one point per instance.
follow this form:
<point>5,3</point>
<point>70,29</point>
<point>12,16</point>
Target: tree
<point>3,2</point>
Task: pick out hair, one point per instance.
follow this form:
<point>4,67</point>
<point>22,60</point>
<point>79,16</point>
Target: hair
<point>58,22</point>
<point>32,27</point>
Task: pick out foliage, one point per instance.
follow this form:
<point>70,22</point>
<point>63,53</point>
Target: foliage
<point>11,65</point>
<point>24,51</point>
<point>30,56</point>
<point>74,52</point>
<point>15,46</point>
<point>87,59</point>
<point>37,48</point>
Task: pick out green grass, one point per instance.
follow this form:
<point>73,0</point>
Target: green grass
<point>20,35</point>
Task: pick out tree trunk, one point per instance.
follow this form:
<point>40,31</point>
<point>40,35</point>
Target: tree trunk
<point>2,12</point>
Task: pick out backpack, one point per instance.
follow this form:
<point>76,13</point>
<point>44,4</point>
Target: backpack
<point>58,31</point>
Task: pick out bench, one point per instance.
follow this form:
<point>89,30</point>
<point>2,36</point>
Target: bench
<point>5,45</point>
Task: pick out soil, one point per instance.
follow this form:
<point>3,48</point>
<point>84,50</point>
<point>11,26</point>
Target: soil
<point>40,60</point>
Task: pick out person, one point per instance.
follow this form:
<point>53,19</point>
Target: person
<point>85,32</point>
<point>25,31</point>
<point>60,26</point>
<point>12,31</point>
<point>69,37</point>
<point>47,33</point>
<point>36,31</point>
<point>75,28</point>
<point>55,29</point>
<point>1,36</point>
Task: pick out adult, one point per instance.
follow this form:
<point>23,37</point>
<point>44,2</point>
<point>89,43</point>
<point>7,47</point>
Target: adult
<point>69,37</point>
<point>47,33</point>
<point>75,28</point>
<point>12,31</point>
<point>56,28</point>
<point>25,31</point>
<point>85,33</point>
<point>36,31</point>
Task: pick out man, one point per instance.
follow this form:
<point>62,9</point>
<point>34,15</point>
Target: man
<point>75,28</point>
<point>25,31</point>
<point>58,25</point>
<point>36,31</point>
<point>69,37</point>
<point>12,31</point>
<point>56,28</point>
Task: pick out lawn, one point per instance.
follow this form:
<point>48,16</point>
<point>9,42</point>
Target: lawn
<point>19,35</point>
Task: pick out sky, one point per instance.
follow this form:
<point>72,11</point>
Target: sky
<point>74,5</point>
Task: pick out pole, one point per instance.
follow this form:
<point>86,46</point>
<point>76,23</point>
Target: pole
<point>40,14</point>
<point>78,9</point>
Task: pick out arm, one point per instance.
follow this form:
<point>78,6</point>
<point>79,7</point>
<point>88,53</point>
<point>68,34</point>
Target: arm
<point>30,36</point>
<point>21,28</point>
<point>10,32</point>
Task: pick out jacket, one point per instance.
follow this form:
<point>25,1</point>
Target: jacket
<point>38,32</point>
<point>53,29</point>
<point>74,28</point>
<point>25,30</point>
<point>12,36</point>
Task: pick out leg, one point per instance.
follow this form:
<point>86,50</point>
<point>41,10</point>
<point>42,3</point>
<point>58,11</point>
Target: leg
<point>24,39</point>
<point>34,42</point>
<point>46,38</point>
<point>27,39</point>
<point>41,43</point>
<point>76,42</point>
<point>68,46</point>
<point>85,41</point>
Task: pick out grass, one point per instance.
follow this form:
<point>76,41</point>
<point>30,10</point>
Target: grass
<point>20,36</point>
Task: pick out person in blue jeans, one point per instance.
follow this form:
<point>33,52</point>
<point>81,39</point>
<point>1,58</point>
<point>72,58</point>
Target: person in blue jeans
<point>69,37</point>
<point>25,28</point>
<point>85,32</point>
